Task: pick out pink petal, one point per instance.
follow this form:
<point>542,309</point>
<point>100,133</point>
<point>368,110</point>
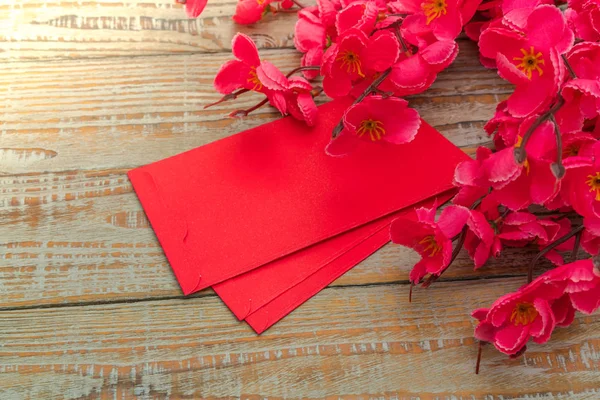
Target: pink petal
<point>244,49</point>
<point>501,168</point>
<point>405,6</point>
<point>271,77</point>
<point>452,220</point>
<point>307,106</point>
<point>527,99</point>
<point>195,7</point>
<point>231,76</point>
<point>544,185</point>
<point>563,310</point>
<point>277,100</point>
<point>546,27</point>
<point>587,302</point>
<point>508,71</point>
<point>314,57</point>
<point>548,321</point>
<point>404,127</point>
<point>410,72</point>
<point>338,86</point>
<point>408,232</point>
<point>357,15</point>
<point>448,26</point>
<point>343,145</point>
<point>511,338</point>
<point>382,51</point>
<point>440,54</point>
<point>515,195</point>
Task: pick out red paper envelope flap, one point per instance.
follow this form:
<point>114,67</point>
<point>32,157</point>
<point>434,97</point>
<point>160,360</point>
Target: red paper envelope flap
<point>280,306</point>
<point>238,203</point>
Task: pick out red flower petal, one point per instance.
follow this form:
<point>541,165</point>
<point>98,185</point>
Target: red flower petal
<point>244,49</point>
<point>195,7</point>
<point>231,76</point>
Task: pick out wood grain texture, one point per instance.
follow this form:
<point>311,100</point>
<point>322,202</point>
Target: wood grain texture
<point>373,345</point>
<point>58,29</point>
<point>66,114</point>
<point>89,308</point>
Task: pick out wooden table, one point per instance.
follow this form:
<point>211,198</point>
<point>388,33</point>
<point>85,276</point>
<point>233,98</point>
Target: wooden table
<point>89,307</point>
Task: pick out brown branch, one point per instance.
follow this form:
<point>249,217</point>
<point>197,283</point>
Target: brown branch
<point>519,152</point>
<point>340,126</point>
<point>569,67</point>
<point>547,249</point>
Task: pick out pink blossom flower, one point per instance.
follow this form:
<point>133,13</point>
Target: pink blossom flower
<point>522,228</point>
<point>526,47</point>
<point>518,185</point>
<point>251,11</point>
<point>577,151</point>
<point>582,94</point>
<point>356,56</point>
<point>415,73</point>
<point>583,183</point>
<point>444,18</point>
<point>310,38</point>
<point>290,96</point>
<point>584,17</point>
<point>431,239</point>
<point>470,177</point>
<point>516,317</point>
<point>360,15</point>
<point>482,241</point>
<point>246,71</point>
<point>376,119</point>
<point>535,309</point>
<point>299,100</point>
<point>580,280</point>
<point>503,126</point>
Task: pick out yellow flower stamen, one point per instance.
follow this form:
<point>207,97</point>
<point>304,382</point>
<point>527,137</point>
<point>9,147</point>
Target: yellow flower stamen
<point>373,128</point>
<point>523,314</point>
<point>530,61</point>
<point>253,78</point>
<point>594,184</point>
<point>434,9</point>
<point>430,245</point>
<point>351,62</point>
<point>526,162</point>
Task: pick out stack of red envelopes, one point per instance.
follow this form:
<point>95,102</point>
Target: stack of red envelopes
<point>267,219</point>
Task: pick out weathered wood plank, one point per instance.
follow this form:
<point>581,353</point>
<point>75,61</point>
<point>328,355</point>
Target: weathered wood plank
<point>46,29</point>
<point>373,344</point>
<point>104,114</point>
<point>83,237</point>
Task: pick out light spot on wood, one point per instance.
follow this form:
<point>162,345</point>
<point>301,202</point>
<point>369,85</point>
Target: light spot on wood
<point>129,219</point>
<point>24,156</point>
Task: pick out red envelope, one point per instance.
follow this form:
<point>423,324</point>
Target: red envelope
<point>265,194</point>
<point>281,305</point>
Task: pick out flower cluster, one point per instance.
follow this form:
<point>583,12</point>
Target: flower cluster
<point>536,309</point>
<point>374,50</point>
<point>543,169</point>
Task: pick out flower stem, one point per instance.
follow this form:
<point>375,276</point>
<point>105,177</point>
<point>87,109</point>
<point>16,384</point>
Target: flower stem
<point>519,152</point>
<point>244,113</point>
<point>227,97</point>
<point>569,67</point>
<point>340,126</point>
<point>306,68</point>
<point>576,247</point>
<point>298,4</point>
<point>547,249</point>
<point>558,169</point>
<point>479,351</point>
